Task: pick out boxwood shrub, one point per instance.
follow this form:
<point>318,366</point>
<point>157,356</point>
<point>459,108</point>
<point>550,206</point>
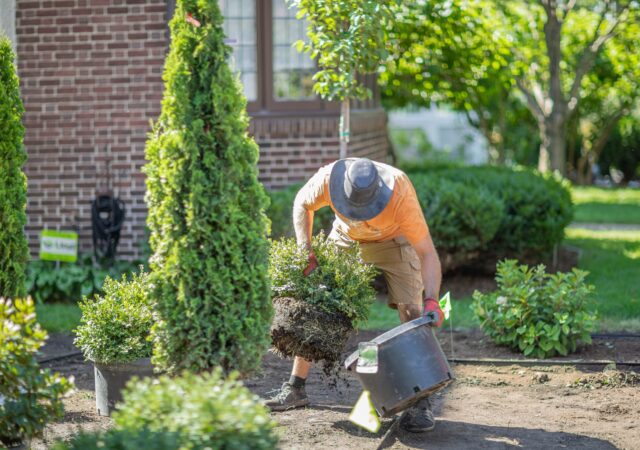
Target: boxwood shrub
<point>205,411</point>
<point>29,396</point>
<point>537,313</point>
<point>114,328</point>
<point>342,282</point>
<point>115,439</point>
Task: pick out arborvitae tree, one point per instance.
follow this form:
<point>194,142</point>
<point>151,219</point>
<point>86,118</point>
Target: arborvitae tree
<point>14,252</point>
<point>206,207</point>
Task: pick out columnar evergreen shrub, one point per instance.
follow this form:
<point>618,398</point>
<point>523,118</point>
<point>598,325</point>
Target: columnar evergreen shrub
<point>14,252</point>
<point>206,207</point>
<point>206,411</point>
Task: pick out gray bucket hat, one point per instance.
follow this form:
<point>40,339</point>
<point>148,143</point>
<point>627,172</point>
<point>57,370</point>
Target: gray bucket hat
<point>359,188</point>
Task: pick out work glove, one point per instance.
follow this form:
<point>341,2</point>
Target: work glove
<point>312,264</point>
<point>431,305</point>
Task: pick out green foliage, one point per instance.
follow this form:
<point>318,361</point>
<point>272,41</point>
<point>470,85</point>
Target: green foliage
<point>206,208</point>
<point>64,282</point>
<point>14,252</point>
<point>341,283</point>
<point>206,411</point>
<point>281,209</point>
<point>622,150</point>
<point>348,38</point>
<point>537,208</point>
<point>463,220</point>
<point>114,439</point>
<point>29,396</point>
<point>537,313</point>
<point>482,214</point>
<point>115,328</point>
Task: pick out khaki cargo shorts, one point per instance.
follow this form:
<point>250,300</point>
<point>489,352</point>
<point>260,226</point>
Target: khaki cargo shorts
<point>398,262</point>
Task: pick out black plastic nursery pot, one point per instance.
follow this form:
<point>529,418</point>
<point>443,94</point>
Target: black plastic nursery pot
<point>112,378</point>
<point>410,366</point>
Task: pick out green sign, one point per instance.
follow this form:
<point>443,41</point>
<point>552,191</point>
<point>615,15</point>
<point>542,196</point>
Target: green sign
<point>59,245</point>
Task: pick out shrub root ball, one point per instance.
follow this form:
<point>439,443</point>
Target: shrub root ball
<point>299,329</point>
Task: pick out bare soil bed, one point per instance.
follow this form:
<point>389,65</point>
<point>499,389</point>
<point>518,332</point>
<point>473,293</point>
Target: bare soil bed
<point>487,407</point>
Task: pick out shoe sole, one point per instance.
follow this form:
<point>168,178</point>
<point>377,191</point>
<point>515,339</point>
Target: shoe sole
<point>297,404</point>
<point>418,430</point>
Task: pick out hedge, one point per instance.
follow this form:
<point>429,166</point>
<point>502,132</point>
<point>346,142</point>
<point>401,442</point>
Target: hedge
<point>477,215</point>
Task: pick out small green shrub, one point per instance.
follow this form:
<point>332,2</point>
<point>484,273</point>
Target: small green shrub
<point>29,396</point>
<point>69,282</point>
<point>114,439</point>
<point>206,411</point>
<point>115,328</point>
<point>280,213</point>
<point>14,252</point>
<point>341,283</point>
<point>536,313</point>
<point>462,220</point>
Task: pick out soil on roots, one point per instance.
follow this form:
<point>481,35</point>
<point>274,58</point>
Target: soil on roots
<point>299,329</point>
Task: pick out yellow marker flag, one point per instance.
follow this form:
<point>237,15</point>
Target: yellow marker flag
<point>364,414</point>
<point>445,305</point>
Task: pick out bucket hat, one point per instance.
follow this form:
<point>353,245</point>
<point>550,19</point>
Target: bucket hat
<point>359,188</point>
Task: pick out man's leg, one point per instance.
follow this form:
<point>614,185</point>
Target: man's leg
<point>401,266</point>
<point>292,393</point>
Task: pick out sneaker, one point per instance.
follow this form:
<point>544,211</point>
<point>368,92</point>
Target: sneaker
<point>288,397</point>
<point>419,418</point>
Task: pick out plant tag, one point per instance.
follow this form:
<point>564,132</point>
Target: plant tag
<point>445,305</point>
<point>367,358</point>
<point>364,414</point>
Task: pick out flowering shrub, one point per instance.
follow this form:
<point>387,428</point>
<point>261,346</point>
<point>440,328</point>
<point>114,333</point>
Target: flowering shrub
<point>537,313</point>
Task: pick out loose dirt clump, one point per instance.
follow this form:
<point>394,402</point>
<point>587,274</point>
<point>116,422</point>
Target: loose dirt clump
<point>299,329</point>
<point>609,379</point>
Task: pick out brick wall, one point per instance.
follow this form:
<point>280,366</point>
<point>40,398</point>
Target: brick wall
<point>91,80</point>
<point>293,148</point>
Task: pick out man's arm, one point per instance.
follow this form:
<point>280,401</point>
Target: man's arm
<point>431,269</point>
<point>302,223</point>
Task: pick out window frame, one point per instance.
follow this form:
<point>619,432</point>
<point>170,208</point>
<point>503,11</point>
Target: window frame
<point>266,103</point>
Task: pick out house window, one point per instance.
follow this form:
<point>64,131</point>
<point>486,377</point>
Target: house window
<point>292,70</point>
<point>276,78</point>
<point>240,27</point>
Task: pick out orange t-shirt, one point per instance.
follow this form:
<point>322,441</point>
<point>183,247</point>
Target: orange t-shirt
<point>401,217</point>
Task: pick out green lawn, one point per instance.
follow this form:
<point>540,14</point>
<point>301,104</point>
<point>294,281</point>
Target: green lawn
<point>58,317</point>
<point>613,260</point>
<point>382,317</point>
<point>600,205</point>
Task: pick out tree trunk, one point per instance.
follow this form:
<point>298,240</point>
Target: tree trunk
<point>345,128</point>
<point>553,147</point>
